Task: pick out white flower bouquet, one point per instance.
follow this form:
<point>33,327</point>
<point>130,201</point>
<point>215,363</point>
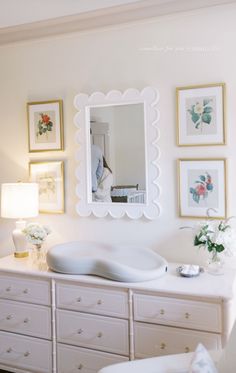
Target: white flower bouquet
<point>36,233</point>
<point>216,237</point>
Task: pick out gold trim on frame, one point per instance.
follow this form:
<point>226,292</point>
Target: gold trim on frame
<point>223,85</point>
<point>60,102</point>
<point>63,186</point>
<point>225,181</point>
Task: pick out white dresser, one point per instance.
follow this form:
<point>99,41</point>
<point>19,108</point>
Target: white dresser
<point>54,323</point>
<point>25,323</point>
<point>92,327</point>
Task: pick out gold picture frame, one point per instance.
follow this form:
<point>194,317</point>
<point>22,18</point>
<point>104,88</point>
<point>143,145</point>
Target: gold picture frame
<point>50,177</point>
<point>45,125</point>
<point>200,115</point>
<point>202,187</point>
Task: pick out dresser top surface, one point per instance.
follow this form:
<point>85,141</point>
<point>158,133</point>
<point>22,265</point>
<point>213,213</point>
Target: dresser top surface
<point>205,285</point>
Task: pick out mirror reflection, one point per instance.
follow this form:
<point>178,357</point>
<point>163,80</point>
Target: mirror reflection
<point>117,139</point>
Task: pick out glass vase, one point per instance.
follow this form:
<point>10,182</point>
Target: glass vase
<point>215,264</point>
<point>39,256</point>
<point>38,251</point>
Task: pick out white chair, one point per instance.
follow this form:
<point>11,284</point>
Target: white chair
<point>162,364</point>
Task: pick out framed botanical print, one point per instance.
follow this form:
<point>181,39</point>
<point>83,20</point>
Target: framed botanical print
<point>201,115</point>
<point>202,186</point>
<point>50,177</point>
<point>45,126</point>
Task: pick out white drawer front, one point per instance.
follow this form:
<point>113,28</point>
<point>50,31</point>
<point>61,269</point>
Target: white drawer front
<point>26,353</point>
<point>100,333</point>
<point>73,359</point>
<point>26,319</point>
<point>154,340</point>
<point>25,289</point>
<point>177,312</point>
<point>92,300</point>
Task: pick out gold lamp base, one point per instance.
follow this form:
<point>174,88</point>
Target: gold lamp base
<point>21,254</point>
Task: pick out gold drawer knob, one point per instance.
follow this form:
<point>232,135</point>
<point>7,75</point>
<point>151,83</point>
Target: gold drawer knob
<point>25,291</point>
<point>99,302</point>
<point>27,353</point>
<point>26,320</point>
<point>162,312</point>
<point>187,315</point>
<point>79,299</point>
<point>9,350</point>
<point>187,349</point>
<point>162,346</point>
<point>80,331</point>
<point>80,367</point>
<point>99,335</point>
<point>8,288</point>
<point>9,317</point>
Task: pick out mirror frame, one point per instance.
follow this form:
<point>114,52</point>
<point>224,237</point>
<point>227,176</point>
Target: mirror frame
<point>149,97</point>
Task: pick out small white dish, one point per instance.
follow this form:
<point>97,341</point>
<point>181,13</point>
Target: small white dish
<point>189,270</point>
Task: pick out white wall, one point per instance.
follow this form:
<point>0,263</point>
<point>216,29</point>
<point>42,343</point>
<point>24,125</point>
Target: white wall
<point>115,59</point>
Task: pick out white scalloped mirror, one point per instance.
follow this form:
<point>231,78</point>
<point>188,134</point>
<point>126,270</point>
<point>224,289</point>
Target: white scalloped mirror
<point>122,129</point>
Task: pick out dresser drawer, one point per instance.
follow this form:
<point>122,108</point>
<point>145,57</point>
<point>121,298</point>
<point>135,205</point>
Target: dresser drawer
<point>25,289</point>
<point>73,359</point>
<point>26,353</point>
<point>25,319</point>
<point>156,340</point>
<point>177,312</point>
<point>92,331</point>
<point>92,300</point>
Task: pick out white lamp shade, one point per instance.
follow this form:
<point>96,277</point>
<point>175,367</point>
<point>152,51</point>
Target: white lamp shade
<point>19,200</point>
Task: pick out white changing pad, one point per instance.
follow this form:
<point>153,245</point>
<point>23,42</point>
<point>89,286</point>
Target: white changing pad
<point>129,264</point>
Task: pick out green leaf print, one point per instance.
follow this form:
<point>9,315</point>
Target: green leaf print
<point>206,118</point>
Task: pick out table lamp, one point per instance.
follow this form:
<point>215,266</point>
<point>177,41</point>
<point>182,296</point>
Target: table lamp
<point>18,201</point>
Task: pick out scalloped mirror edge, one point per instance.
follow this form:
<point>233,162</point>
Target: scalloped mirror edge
<point>149,97</point>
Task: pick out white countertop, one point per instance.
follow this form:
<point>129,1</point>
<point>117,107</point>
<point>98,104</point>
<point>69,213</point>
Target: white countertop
<point>206,285</point>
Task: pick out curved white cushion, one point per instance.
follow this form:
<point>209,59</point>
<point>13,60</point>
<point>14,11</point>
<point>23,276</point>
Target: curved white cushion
<point>116,263</point>
<point>202,361</point>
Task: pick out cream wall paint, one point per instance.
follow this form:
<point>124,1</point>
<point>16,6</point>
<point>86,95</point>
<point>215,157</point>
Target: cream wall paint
<point>185,49</point>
